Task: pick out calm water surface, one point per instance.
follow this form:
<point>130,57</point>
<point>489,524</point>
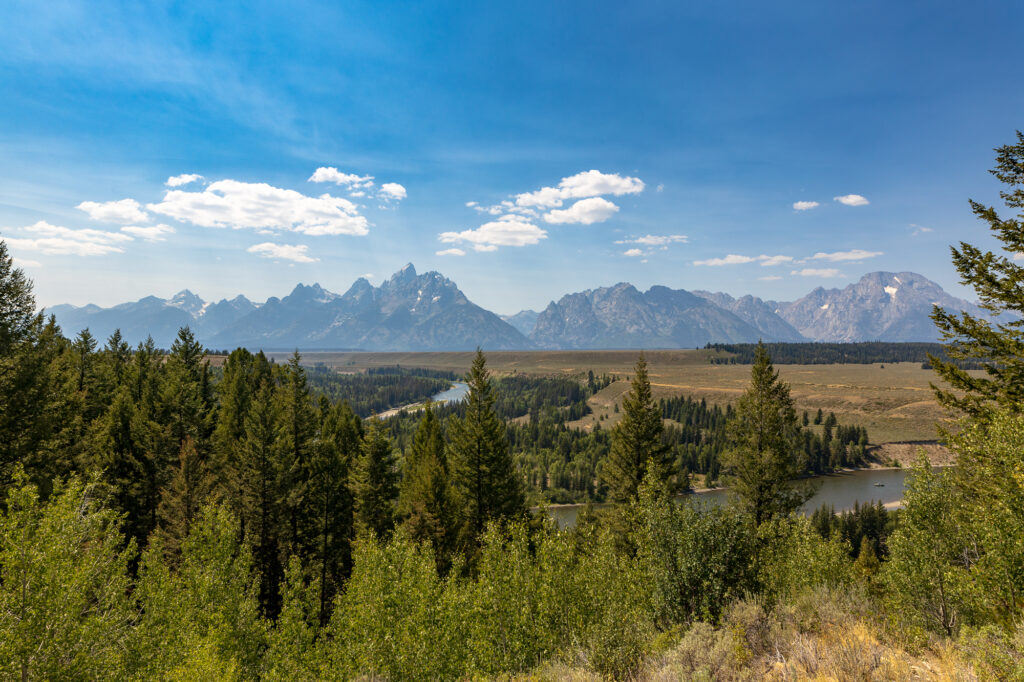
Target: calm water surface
<point>456,393</point>
<point>842,491</point>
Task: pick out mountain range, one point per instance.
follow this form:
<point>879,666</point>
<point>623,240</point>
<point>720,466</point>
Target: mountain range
<point>428,312</point>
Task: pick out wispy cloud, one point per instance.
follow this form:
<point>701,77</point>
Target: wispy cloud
<point>26,263</point>
<point>817,272</point>
<point>805,205</point>
<point>656,240</point>
<point>256,205</point>
<point>296,253</point>
<point>64,241</point>
<point>770,278</point>
<point>156,233</point>
<point>919,230</point>
<point>736,259</point>
<point>851,200</point>
<point>123,211</point>
<point>183,179</point>
<point>840,256</point>
<point>451,252</point>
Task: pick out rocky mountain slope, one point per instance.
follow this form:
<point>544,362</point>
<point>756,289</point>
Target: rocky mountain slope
<point>428,312</point>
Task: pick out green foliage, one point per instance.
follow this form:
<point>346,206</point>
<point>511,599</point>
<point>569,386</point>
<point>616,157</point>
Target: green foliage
<point>484,478</point>
<point>793,558</point>
<point>425,501</point>
<point>375,483</point>
<point>205,610</point>
<point>65,612</point>
<point>763,454</point>
<point>695,560</point>
<point>997,280</point>
<point>637,445</point>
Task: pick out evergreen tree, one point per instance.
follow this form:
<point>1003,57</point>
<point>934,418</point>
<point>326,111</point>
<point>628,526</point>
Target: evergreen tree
<point>425,500</point>
<point>997,279</point>
<point>297,430</point>
<point>484,478</point>
<point>255,478</point>
<point>764,446</point>
<point>329,500</point>
<point>637,445</point>
<point>189,489</point>
<point>375,483</point>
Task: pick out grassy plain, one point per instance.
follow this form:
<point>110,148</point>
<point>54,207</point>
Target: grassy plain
<point>894,401</point>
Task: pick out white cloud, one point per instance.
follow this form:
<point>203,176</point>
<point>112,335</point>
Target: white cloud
<point>840,256</point>
<point>124,211</point>
<point>768,261</point>
<point>256,205</point>
<point>489,236</point>
<point>183,179</point>
<point>470,204</point>
<point>156,233</point>
<point>451,252</point>
<point>392,191</point>
<point>591,183</point>
<point>584,211</point>
<point>26,263</point>
<point>63,241</point>
<point>731,259</point>
<point>657,240</point>
<point>297,253</point>
<point>770,278</point>
<point>805,205</point>
<point>332,174</point>
<point>919,229</point>
<point>817,272</point>
<point>633,252</point>
<point>852,200</point>
<point>736,259</point>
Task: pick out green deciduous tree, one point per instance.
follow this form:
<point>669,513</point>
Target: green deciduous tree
<point>637,445</point>
<point>999,284</point>
<point>65,610</point>
<point>763,456</point>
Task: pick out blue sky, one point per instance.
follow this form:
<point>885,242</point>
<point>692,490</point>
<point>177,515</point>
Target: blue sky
<point>655,143</point>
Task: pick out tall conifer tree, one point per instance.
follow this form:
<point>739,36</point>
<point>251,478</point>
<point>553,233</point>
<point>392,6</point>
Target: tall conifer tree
<point>764,453</point>
<point>375,483</point>
<point>483,474</point>
<point>425,500</point>
<point>637,445</point>
<point>999,283</point>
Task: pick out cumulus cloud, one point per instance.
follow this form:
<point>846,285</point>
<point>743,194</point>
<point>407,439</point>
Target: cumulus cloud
<point>817,272</point>
<point>64,241</point>
<point>851,200</point>
<point>124,211</point>
<point>510,231</point>
<point>392,191</point>
<point>840,256</point>
<point>805,205</point>
<point>156,233</point>
<point>296,253</point>
<point>332,174</point>
<point>633,252</point>
<point>183,179</point>
<point>736,259</point>
<point>591,183</point>
<point>583,212</point>
<point>257,205</point>
<point>450,252</point>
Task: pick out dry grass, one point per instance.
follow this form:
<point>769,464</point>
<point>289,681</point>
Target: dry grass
<point>894,402</point>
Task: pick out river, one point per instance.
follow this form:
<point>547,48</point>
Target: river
<point>842,491</point>
<point>457,392</point>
